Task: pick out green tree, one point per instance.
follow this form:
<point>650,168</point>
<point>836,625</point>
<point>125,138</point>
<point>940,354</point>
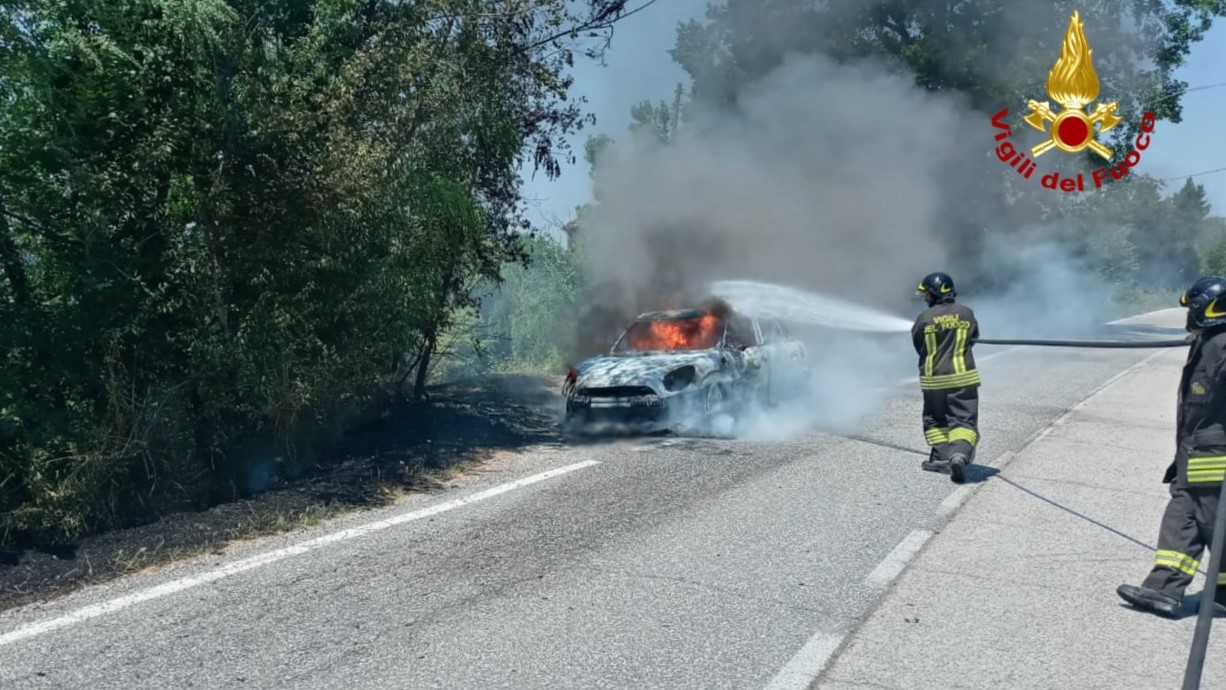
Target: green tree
<point>230,226</point>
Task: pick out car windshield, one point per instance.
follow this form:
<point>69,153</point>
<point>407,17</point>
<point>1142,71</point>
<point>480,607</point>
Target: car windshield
<point>693,333</point>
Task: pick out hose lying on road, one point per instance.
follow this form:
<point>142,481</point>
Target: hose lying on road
<point>1086,343</point>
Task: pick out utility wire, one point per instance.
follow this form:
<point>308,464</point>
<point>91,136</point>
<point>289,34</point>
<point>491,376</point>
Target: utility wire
<point>1177,94</point>
<point>1197,174</point>
<point>638,9</point>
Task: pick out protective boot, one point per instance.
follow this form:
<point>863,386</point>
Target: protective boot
<point>1150,600</point>
<point>957,467</point>
<point>935,463</point>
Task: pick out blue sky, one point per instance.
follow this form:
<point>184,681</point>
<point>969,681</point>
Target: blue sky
<point>638,67</point>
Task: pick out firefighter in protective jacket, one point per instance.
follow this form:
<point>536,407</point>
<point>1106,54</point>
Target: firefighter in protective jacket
<point>944,336</point>
<point>1195,476</point>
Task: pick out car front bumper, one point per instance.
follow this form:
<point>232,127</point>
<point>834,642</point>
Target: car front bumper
<point>640,411</point>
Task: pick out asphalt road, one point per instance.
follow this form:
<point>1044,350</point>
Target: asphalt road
<point>643,564</point>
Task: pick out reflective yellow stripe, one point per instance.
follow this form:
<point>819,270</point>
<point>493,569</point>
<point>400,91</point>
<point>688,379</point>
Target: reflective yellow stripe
<point>970,378</point>
<point>964,434</point>
<point>960,352</point>
<point>936,436</point>
<point>1179,561</point>
<point>930,343</point>
<point>1221,578</point>
<point>1207,463</point>
<point>1206,470</point>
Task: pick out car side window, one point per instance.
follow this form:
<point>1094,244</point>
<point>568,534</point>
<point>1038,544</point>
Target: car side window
<point>773,332</point>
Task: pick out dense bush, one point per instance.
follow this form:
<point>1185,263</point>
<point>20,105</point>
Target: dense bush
<point>229,228</point>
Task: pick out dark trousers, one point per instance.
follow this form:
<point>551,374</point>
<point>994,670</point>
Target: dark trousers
<point>951,421</point>
<point>1187,528</point>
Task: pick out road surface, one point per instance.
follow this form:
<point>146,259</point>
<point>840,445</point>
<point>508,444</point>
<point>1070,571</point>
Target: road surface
<point>638,564</point>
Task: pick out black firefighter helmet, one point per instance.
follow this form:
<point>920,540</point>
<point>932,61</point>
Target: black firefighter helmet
<point>1202,301</point>
<point>937,287</point>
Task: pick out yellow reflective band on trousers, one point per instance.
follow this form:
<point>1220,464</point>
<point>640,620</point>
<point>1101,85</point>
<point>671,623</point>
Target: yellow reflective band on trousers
<point>936,437</point>
<point>1179,561</point>
<point>1221,579</point>
<point>1206,470</point>
<point>962,434</point>
<point>930,343</point>
<point>943,382</point>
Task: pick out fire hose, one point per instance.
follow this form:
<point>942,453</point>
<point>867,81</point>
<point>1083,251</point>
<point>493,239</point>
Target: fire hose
<point>1129,344</point>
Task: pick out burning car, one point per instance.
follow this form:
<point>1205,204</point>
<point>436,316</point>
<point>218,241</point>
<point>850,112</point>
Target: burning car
<point>672,369</point>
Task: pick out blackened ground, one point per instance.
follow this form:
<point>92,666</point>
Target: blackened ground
<point>462,423</point>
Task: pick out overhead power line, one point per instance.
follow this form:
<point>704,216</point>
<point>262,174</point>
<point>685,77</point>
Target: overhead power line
<point>1181,92</point>
<point>1196,174</point>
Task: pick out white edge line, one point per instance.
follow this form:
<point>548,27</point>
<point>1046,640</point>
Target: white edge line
<point>253,562</point>
<point>1134,317</point>
<point>896,561</point>
<point>805,666</point>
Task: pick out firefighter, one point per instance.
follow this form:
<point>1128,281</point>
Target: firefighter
<point>1195,475</point>
<point>943,336</point>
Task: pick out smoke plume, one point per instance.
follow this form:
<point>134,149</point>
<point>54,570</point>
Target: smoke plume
<point>842,179</point>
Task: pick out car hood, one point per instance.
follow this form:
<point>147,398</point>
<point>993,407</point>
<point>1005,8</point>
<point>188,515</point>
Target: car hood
<point>642,370</point>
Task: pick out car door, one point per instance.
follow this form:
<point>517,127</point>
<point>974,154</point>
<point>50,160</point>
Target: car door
<point>786,355</point>
<point>768,347</point>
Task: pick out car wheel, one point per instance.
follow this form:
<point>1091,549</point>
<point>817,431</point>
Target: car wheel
<point>715,398</point>
<point>718,405</point>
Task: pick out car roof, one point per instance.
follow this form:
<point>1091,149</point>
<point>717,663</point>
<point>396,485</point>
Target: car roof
<point>671,315</point>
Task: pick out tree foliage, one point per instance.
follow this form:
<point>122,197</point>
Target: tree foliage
<point>228,227</point>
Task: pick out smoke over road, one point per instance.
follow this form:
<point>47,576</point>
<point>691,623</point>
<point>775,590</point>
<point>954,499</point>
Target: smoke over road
<point>842,179</point>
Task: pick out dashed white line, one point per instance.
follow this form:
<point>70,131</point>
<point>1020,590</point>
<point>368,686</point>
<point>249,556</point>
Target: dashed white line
<point>807,663</point>
<point>253,562</point>
<point>896,561</point>
<point>805,666</point>
<point>954,500</point>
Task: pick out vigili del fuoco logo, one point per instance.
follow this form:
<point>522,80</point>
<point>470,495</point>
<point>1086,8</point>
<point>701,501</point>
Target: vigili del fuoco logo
<point>1073,128</point>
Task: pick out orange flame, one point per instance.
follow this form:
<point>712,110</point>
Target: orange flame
<point>685,334</point>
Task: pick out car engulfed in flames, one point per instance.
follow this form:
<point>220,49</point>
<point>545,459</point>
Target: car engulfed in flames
<point>676,370</point>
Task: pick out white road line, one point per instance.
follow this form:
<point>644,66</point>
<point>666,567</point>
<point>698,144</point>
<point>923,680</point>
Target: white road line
<point>896,561</point>
<point>805,666</point>
<point>253,562</point>
<point>1126,319</point>
<point>954,500</point>
<point>654,445</point>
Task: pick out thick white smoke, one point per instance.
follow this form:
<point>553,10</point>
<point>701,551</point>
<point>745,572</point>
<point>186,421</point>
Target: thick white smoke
<point>831,178</point>
<point>843,180</point>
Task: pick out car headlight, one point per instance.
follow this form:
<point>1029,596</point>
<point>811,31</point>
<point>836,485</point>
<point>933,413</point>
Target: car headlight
<point>680,379</point>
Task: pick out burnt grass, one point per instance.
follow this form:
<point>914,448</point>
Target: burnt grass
<point>458,426</point>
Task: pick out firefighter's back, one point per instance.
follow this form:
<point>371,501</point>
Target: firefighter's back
<point>948,361</point>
